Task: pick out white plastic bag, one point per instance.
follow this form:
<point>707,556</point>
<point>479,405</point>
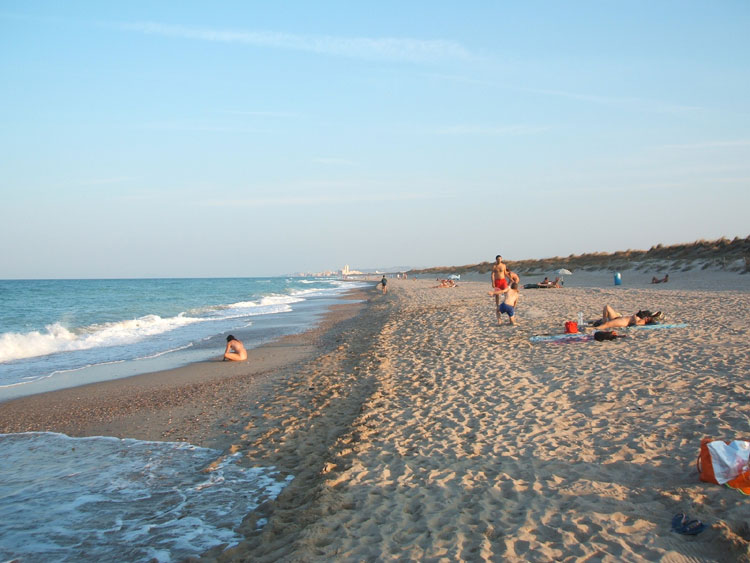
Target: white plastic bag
<point>729,460</point>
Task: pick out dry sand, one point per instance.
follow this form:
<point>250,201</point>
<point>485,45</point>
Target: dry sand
<point>418,429</point>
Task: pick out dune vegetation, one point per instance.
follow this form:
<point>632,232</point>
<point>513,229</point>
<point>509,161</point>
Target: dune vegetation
<point>722,254</point>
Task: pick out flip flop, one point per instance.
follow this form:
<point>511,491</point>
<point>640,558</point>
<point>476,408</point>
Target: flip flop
<point>678,521</point>
<point>683,525</point>
<point>693,528</point>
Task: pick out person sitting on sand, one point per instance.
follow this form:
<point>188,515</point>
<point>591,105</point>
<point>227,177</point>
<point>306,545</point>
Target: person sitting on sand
<point>665,279</point>
<point>613,319</point>
<point>546,283</point>
<point>446,283</point>
<point>235,350</point>
<point>509,303</point>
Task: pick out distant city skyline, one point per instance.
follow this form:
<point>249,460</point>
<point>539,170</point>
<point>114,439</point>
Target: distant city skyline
<point>239,139</point>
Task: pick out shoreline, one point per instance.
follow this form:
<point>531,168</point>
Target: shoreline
<point>172,404</point>
<point>416,428</point>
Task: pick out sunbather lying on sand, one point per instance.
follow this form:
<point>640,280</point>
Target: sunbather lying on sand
<point>613,319</point>
<point>665,279</point>
<point>547,283</point>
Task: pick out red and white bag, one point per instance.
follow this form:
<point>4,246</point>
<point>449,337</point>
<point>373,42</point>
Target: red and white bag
<point>725,463</point>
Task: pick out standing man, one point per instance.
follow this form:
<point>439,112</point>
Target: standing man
<point>498,277</point>
<point>384,282</point>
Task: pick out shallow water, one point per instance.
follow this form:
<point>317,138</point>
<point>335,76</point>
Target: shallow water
<point>106,499</point>
<point>62,333</point>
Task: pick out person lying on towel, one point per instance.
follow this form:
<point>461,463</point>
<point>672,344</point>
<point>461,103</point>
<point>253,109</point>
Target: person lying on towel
<point>613,319</point>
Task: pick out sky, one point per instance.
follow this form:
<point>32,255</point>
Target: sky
<point>196,139</point>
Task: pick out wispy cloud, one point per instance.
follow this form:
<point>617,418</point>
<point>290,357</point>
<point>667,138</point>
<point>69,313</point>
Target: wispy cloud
<point>491,130</point>
<point>262,113</point>
<point>197,127</point>
<point>708,145</point>
<point>295,201</point>
<point>332,161</point>
<point>632,103</point>
<point>373,48</point>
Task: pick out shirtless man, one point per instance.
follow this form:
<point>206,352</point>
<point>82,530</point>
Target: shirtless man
<point>613,319</point>
<point>235,350</point>
<point>508,306</point>
<point>497,276</point>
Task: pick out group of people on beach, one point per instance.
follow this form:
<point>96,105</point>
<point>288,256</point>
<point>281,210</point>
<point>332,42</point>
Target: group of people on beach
<point>504,282</point>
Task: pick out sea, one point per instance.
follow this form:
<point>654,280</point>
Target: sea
<point>99,498</point>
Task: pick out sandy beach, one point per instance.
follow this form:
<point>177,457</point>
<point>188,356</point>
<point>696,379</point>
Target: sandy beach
<point>418,429</point>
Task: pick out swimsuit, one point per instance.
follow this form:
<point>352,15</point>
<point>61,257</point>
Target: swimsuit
<point>503,308</point>
<point>502,283</point>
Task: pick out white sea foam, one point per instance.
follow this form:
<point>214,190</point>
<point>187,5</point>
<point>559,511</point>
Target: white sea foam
<point>70,499</point>
<point>74,338</point>
<point>58,338</point>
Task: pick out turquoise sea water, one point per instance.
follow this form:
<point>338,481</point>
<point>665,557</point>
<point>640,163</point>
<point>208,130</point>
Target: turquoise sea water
<point>106,499</point>
<point>57,333</point>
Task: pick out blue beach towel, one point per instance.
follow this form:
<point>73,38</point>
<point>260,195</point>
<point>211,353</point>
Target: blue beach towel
<point>579,336</point>
<point>583,337</point>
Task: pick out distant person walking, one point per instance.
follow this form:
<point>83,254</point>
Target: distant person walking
<point>235,350</point>
<point>498,277</point>
<point>384,283</point>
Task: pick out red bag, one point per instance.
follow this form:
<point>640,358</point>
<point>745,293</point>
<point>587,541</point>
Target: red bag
<point>571,327</point>
<point>704,465</point>
<point>706,469</point>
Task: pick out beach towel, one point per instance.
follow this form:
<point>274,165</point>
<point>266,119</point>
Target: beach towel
<point>673,325</point>
<point>576,337</point>
<point>584,337</point>
<point>725,463</point>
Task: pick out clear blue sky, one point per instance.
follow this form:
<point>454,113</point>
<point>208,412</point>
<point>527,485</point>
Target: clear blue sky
<point>246,138</point>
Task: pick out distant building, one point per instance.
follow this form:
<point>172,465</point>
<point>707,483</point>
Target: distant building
<point>346,271</point>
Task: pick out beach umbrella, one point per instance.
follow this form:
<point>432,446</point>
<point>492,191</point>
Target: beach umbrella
<point>563,272</point>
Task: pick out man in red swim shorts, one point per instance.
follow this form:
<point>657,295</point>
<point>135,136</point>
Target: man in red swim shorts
<point>498,278</point>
